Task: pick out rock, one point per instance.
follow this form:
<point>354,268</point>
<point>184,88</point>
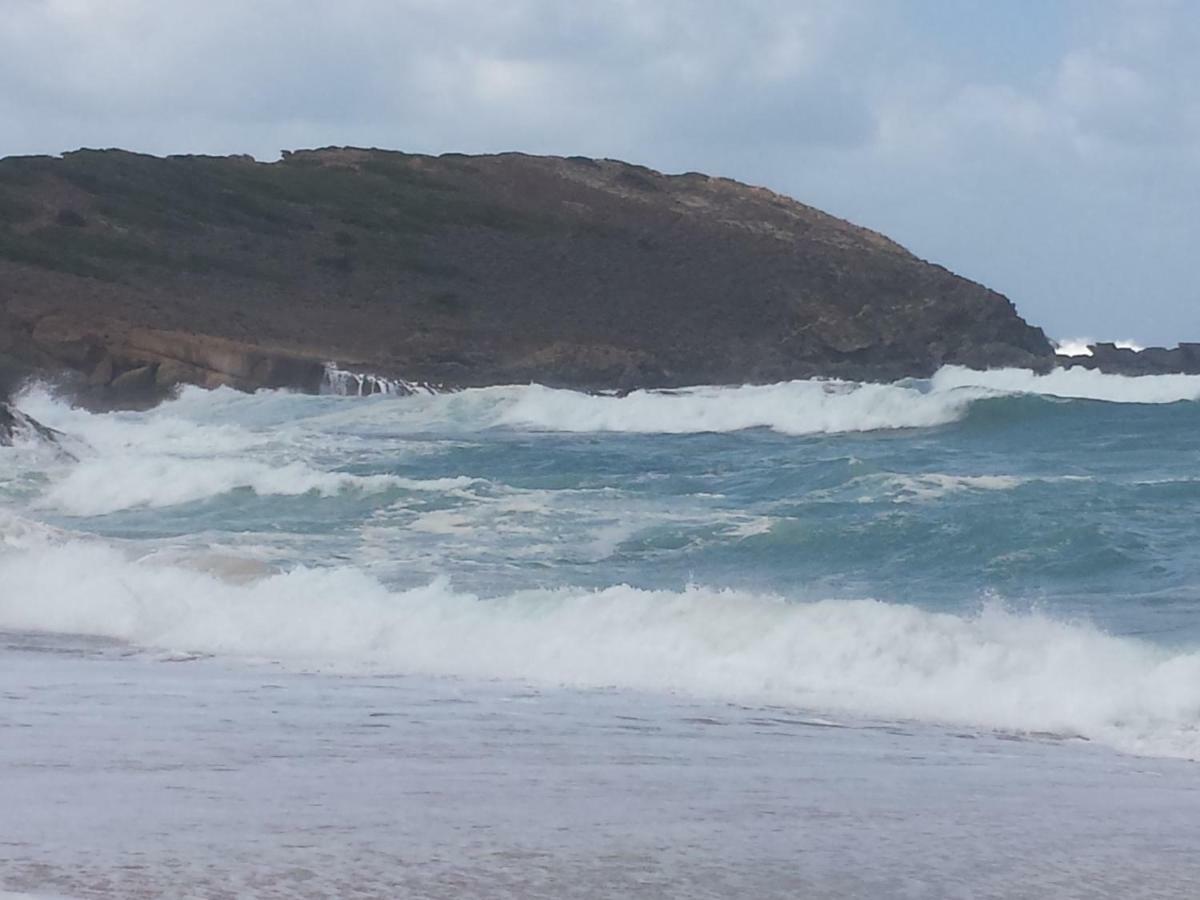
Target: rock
<point>1114,360</point>
<point>15,424</point>
<point>135,383</point>
<point>468,270</point>
<point>8,425</point>
<point>210,361</point>
<point>103,373</point>
<point>170,374</point>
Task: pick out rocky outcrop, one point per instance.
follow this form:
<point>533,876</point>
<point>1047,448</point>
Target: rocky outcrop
<point>15,424</point>
<point>135,366</point>
<point>1111,359</point>
<point>139,273</point>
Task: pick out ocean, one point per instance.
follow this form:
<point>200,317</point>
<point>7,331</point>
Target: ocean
<point>938,638</point>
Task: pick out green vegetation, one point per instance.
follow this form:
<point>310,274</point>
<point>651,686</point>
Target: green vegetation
<point>106,255</point>
<point>145,211</point>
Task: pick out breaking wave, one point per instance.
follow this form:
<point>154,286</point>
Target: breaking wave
<point>994,669</point>
<point>796,407</point>
<point>206,444</point>
<point>106,485</point>
<point>793,408</point>
<point>825,407</point>
<point>1073,384</point>
<point>1082,346</point>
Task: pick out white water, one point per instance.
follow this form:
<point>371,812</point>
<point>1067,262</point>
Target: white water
<point>299,702</point>
<point>991,670</point>
<point>1083,384</point>
<point>345,383</point>
<point>105,485</point>
<point>1083,346</point>
<point>795,408</point>
<point>994,669</point>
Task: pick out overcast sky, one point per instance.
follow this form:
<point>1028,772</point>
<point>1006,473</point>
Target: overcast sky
<point>1050,150</point>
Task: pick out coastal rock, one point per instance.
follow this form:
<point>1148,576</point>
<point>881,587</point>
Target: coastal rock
<point>1113,360</point>
<point>136,382</point>
<point>462,270</point>
<point>15,424</point>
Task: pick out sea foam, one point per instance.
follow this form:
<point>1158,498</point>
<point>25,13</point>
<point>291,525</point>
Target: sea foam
<point>206,444</point>
<point>823,407</point>
<point>794,408</point>
<point>196,423</point>
<point>994,669</point>
<point>1076,383</point>
<point>108,484</point>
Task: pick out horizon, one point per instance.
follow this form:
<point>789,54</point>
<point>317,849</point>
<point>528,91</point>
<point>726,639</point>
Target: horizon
<point>1049,152</point>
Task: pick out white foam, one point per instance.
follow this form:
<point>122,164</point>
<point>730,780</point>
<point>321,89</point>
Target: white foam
<point>1073,383</point>
<point>345,383</point>
<point>186,427</point>
<point>1074,347</point>
<point>170,455</point>
<point>1083,346</point>
<point>20,533</point>
<point>994,669</point>
<point>156,431</point>
<point>795,407</point>
<point>105,485</point>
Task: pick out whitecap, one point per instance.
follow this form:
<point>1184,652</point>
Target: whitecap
<point>993,669</point>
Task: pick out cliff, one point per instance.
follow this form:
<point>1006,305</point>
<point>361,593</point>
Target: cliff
<point>140,272</point>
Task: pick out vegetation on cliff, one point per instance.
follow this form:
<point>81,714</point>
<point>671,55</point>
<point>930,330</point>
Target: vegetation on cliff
<point>463,270</point>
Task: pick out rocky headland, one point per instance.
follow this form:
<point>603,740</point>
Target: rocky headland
<point>136,273</point>
<point>1183,359</point>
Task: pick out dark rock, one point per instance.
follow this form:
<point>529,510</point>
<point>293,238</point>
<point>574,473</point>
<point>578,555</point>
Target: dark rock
<point>170,374</point>
<point>1114,360</point>
<point>103,373</point>
<point>70,218</point>
<point>137,382</point>
<point>14,423</point>
<point>472,270</point>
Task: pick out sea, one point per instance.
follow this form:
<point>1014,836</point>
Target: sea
<point>818,639</point>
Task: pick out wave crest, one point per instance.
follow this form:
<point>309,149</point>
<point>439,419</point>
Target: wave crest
<point>994,669</point>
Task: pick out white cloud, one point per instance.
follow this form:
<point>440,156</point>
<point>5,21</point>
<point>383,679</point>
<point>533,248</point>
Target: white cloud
<point>1069,184</point>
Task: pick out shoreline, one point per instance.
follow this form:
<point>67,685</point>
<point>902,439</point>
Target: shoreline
<point>133,378</point>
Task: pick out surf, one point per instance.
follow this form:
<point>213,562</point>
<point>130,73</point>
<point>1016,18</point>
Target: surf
<point>990,668</point>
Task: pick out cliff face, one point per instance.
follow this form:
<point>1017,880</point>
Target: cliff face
<point>461,270</point>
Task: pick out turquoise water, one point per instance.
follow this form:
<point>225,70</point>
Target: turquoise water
<point>997,549</point>
<point>933,639</point>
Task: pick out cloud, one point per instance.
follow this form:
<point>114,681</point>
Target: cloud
<point>1055,160</point>
<point>452,73</point>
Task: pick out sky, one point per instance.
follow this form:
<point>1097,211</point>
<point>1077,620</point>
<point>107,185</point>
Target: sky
<point>1049,149</point>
